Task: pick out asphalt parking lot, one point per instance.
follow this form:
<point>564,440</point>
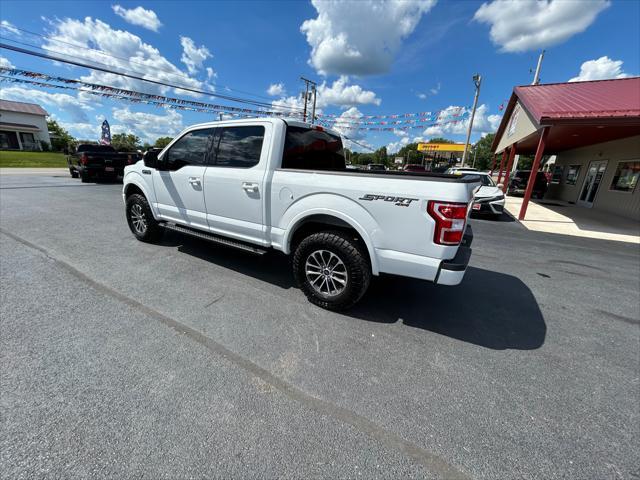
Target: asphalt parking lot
<point>188,360</point>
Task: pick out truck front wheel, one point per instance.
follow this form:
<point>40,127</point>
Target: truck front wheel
<point>332,269</point>
<point>140,219</point>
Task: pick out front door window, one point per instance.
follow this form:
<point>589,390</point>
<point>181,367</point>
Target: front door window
<point>592,182</point>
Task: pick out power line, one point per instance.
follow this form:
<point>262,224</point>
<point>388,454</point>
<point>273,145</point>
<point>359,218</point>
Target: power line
<point>136,77</point>
<point>92,87</point>
<point>102,52</point>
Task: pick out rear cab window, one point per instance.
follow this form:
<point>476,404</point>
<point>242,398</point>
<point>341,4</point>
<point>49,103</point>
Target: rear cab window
<point>312,149</point>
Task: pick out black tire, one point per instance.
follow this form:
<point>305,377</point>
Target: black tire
<point>137,208</point>
<point>354,260</point>
<point>73,172</point>
<point>84,176</point>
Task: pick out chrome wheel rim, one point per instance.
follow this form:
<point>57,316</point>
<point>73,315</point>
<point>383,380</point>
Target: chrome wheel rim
<point>138,219</point>
<point>326,273</point>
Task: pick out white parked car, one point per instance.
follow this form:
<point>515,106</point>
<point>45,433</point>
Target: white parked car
<point>489,198</point>
<point>261,184</point>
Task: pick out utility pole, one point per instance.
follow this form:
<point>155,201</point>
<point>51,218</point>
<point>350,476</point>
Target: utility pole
<point>536,76</point>
<point>477,80</point>
<point>313,110</point>
<point>306,97</point>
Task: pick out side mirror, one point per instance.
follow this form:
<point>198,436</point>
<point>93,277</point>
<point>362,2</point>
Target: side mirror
<point>150,158</point>
<point>500,186</point>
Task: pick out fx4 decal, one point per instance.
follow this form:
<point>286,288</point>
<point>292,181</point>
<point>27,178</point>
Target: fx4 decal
<point>399,201</point>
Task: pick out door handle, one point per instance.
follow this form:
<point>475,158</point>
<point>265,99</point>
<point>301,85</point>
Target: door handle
<point>194,180</point>
<point>250,187</point>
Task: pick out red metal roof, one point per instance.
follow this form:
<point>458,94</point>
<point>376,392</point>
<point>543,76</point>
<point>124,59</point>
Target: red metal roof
<point>22,107</point>
<point>619,98</point>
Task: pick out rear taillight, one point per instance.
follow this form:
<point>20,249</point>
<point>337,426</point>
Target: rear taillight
<point>84,159</point>
<point>451,219</point>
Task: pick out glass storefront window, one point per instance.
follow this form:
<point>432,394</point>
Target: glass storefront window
<point>572,174</point>
<point>626,176</point>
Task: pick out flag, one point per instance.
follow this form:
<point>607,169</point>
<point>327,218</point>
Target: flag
<point>105,138</point>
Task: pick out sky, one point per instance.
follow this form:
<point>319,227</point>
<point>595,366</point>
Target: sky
<point>368,57</point>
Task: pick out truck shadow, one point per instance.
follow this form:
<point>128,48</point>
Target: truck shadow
<point>488,309</point>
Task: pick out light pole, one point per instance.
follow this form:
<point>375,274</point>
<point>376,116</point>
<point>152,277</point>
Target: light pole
<point>477,80</point>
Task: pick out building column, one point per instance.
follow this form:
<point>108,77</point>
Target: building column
<point>504,157</point>
<point>534,173</point>
<point>507,173</point>
<point>19,141</point>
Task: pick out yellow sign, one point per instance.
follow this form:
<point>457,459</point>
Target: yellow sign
<point>441,147</point>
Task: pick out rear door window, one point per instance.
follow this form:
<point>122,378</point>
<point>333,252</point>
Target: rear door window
<point>238,147</point>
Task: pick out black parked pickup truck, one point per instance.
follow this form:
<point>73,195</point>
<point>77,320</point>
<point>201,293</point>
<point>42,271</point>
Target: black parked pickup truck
<point>98,161</point>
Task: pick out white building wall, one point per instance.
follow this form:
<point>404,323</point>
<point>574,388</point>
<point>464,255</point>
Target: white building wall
<point>625,204</point>
<point>39,121</point>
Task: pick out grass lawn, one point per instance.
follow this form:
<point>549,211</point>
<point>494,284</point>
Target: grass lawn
<point>32,159</point>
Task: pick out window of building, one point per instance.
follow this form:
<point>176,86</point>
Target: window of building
<point>191,149</point>
<point>572,174</point>
<point>626,176</point>
<point>239,147</point>
<point>556,177</point>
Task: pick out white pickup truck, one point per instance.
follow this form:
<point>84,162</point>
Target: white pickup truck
<point>268,183</point>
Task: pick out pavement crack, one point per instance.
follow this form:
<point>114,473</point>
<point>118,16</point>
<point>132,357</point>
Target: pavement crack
<point>432,462</point>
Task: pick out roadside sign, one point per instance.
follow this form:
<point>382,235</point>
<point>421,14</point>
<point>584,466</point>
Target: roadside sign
<point>441,147</point>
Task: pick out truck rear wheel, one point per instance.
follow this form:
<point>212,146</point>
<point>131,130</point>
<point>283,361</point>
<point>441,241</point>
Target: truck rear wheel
<point>73,172</point>
<point>140,219</point>
<point>332,269</point>
<point>84,176</point>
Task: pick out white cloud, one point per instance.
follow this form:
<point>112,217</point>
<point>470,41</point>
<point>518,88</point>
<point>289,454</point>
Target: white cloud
<point>401,133</point>
<point>600,69</point>
<point>276,90</point>
<point>422,96</point>
<point>8,26</point>
<point>435,90</point>
<point>292,105</point>
<point>147,126</point>
<point>133,55</point>
<point>482,122</point>
<point>521,25</point>
<point>138,16</point>
<point>82,131</point>
<point>70,105</point>
<point>360,38</point>
<point>5,63</point>
<point>339,93</point>
<point>211,74</point>
<point>350,130</point>
<point>192,56</point>
<point>394,147</point>
<point>343,95</point>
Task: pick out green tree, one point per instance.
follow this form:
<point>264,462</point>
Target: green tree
<point>482,152</point>
<point>162,142</point>
<point>127,142</point>
<point>60,138</point>
<point>440,140</point>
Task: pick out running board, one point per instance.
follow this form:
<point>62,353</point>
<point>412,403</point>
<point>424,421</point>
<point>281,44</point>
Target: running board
<point>214,238</point>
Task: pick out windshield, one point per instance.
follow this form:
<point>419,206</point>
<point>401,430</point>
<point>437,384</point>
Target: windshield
<point>487,181</point>
<point>310,149</point>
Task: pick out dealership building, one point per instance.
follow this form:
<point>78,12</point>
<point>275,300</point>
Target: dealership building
<point>593,129</point>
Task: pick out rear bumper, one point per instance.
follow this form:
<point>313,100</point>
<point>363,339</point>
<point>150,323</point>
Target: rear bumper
<point>452,271</point>
<point>442,272</point>
<point>495,207</point>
